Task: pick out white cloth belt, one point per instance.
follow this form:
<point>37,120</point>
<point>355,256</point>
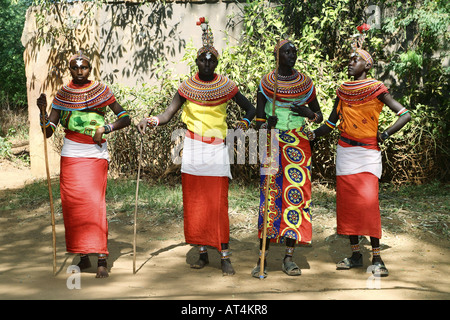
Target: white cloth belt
<point>74,149</point>
<point>353,160</point>
<point>204,159</point>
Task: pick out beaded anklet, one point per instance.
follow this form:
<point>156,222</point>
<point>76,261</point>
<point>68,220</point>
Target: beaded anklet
<point>225,254</point>
<point>290,251</point>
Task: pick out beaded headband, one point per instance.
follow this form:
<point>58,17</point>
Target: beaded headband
<point>207,39</point>
<point>358,42</point>
<point>79,57</point>
<point>280,44</point>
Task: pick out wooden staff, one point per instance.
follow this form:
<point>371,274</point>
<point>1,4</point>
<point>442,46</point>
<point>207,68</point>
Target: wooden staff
<point>135,208</point>
<point>268,176</point>
<point>44,131</point>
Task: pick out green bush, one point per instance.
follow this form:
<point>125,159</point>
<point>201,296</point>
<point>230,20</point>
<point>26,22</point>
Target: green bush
<point>416,154</point>
<point>322,32</point>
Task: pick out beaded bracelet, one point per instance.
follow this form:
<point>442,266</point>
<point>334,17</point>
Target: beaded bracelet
<point>265,253</point>
<point>311,135</point>
<point>46,118</point>
<point>315,118</point>
<point>44,125</point>
<point>242,124</point>
<point>122,114</point>
<point>402,112</point>
<point>153,121</point>
<point>330,124</point>
<point>108,128</point>
<point>260,120</point>
<point>289,251</point>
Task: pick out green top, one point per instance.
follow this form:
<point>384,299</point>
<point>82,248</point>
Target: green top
<point>287,119</point>
<point>85,122</point>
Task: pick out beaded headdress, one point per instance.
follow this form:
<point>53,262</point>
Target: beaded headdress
<point>358,42</point>
<point>207,38</point>
<point>280,44</point>
<point>79,57</point>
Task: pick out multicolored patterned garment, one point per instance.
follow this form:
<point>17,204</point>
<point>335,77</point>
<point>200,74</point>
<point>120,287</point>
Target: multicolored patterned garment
<point>208,93</point>
<point>290,187</point>
<point>289,190</point>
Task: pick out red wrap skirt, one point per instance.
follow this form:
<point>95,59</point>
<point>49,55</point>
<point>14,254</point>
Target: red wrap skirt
<point>358,169</point>
<point>357,205</point>
<point>83,187</point>
<point>205,205</point>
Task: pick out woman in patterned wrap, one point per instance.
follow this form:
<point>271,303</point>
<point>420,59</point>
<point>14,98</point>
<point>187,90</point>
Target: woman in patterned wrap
<point>205,169</point>
<point>80,107</point>
<point>358,156</point>
<point>289,194</point>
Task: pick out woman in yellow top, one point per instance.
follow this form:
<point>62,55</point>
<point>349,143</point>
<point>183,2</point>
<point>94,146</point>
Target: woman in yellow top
<point>358,157</point>
<point>205,166</point>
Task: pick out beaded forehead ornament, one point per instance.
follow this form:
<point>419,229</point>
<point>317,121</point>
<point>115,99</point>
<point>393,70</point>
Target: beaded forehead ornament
<point>358,42</point>
<point>207,40</point>
<point>79,57</point>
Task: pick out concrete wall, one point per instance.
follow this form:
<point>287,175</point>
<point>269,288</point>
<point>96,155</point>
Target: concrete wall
<point>125,40</point>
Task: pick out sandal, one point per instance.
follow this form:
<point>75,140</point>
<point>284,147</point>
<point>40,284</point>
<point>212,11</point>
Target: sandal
<point>379,270</point>
<point>291,268</point>
<point>349,263</point>
<point>256,272</point>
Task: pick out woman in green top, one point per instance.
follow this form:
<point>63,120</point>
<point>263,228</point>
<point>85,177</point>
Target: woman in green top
<point>80,106</point>
<point>289,193</point>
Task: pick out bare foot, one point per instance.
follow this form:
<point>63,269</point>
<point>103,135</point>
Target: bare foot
<point>227,268</point>
<point>102,271</point>
<point>201,262</point>
<point>84,263</point>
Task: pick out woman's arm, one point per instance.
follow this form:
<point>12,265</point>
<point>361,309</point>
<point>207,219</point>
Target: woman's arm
<point>312,112</point>
<point>164,118</point>
<point>122,121</point>
<point>329,125</point>
<point>247,106</point>
<point>51,121</point>
<point>404,116</point>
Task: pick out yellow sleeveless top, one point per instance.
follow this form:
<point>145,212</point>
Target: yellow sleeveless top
<point>207,121</point>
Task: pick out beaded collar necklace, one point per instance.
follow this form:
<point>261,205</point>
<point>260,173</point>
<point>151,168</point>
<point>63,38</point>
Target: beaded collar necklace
<point>208,93</point>
<point>360,91</point>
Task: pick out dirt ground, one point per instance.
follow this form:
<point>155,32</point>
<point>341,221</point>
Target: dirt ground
<point>419,268</point>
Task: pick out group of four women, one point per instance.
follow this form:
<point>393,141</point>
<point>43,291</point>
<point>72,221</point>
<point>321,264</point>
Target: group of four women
<point>286,100</point>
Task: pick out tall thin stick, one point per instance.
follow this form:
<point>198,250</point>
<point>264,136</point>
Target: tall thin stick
<point>268,175</point>
<point>135,209</point>
<point>44,131</point>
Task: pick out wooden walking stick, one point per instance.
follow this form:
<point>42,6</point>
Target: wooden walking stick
<point>44,131</point>
<point>268,176</point>
<point>135,208</point>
